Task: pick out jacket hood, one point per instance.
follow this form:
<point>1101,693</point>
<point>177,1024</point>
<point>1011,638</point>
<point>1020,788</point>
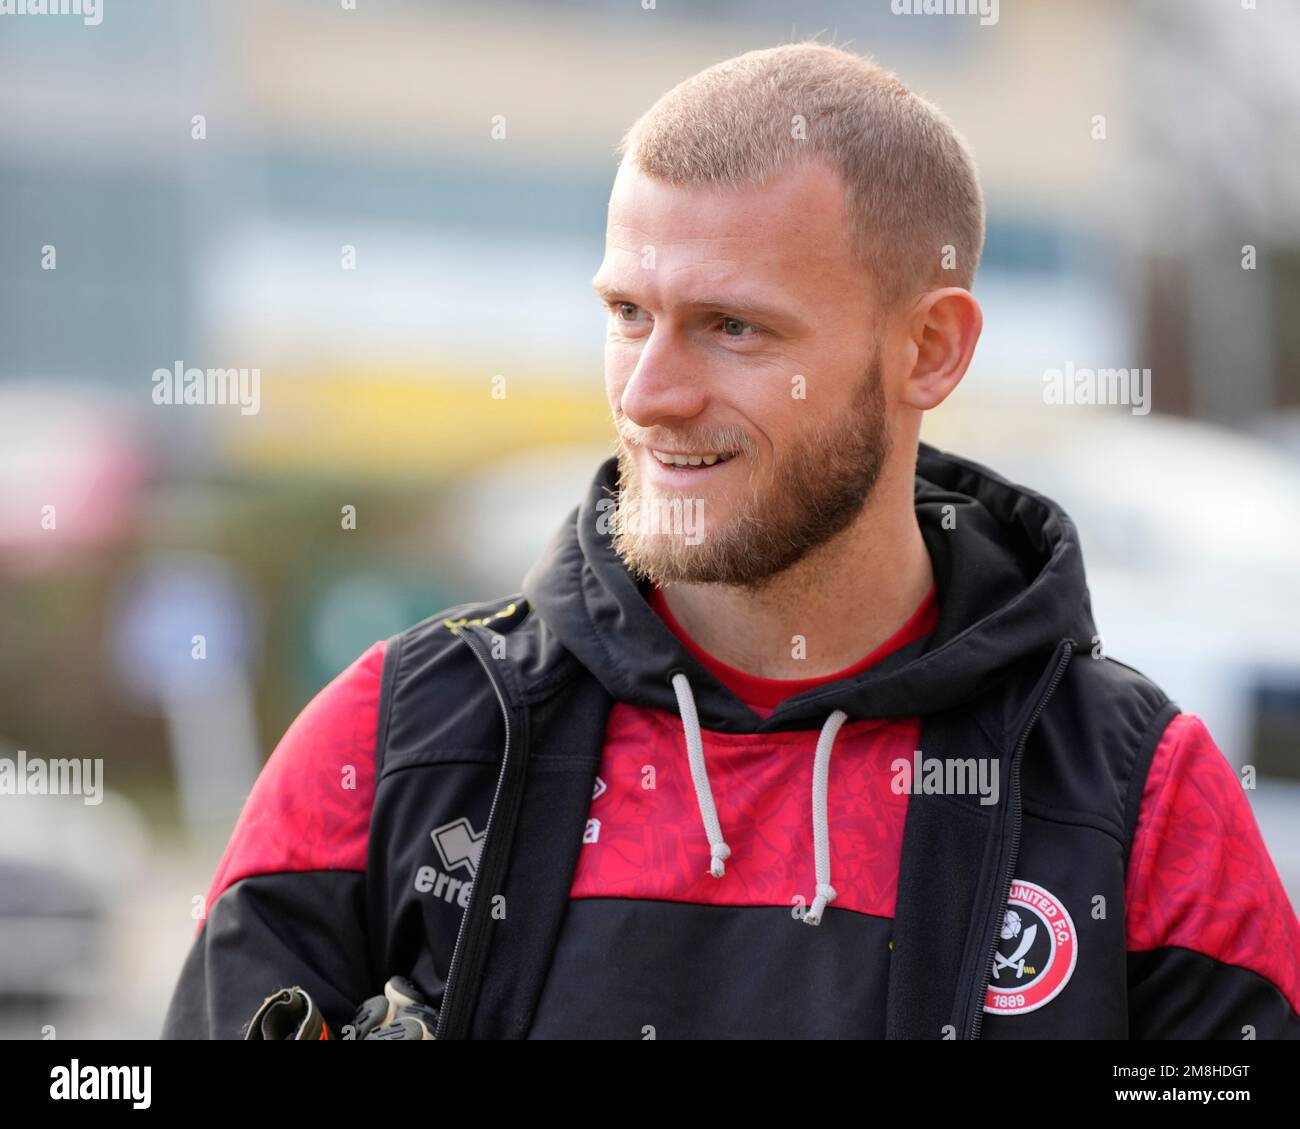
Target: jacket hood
<point>1007,566</point>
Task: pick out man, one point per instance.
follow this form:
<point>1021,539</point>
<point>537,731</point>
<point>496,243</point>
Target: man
<point>780,668</point>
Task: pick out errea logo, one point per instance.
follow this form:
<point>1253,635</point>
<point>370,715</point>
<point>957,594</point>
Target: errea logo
<point>459,847</point>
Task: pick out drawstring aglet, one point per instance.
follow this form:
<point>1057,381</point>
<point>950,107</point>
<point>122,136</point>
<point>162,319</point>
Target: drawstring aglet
<point>825,893</point>
<point>720,852</point>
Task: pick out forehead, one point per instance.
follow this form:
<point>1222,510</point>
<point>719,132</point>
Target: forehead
<point>788,235</point>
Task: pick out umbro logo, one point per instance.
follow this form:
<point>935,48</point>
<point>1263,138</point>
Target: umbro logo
<point>592,832</point>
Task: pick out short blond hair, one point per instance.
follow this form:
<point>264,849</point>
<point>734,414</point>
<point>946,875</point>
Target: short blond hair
<point>913,201</point>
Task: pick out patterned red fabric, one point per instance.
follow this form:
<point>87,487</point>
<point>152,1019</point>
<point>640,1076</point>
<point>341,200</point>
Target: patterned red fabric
<point>649,842</point>
<point>310,807</point>
<point>645,837</point>
<point>1199,875</point>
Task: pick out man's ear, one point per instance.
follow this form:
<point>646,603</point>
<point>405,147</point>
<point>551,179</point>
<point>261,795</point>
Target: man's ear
<point>943,327</point>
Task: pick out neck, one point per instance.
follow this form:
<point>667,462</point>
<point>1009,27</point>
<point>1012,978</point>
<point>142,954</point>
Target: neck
<point>844,599</point>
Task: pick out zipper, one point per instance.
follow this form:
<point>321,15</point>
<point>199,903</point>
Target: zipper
<point>454,1015</point>
<point>976,1022</point>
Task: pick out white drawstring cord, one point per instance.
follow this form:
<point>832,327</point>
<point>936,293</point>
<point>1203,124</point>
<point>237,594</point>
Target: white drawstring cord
<point>719,852</point>
<point>718,849</point>
<point>821,831</point>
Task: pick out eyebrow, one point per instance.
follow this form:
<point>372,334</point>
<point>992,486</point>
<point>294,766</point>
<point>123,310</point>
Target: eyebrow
<point>743,307</point>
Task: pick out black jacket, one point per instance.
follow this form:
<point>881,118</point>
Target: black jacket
<point>492,717</point>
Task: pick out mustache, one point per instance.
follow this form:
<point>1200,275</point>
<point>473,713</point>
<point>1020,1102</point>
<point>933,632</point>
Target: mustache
<point>663,439</point>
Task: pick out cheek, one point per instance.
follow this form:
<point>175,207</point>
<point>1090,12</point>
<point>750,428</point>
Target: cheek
<point>776,408</point>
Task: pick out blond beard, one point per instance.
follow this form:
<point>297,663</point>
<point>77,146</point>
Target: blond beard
<point>816,490</point>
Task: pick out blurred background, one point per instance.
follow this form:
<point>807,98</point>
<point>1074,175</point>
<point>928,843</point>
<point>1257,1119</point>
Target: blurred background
<point>317,193</point>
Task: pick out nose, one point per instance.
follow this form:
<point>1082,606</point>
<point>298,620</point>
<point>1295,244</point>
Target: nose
<point>664,386</point>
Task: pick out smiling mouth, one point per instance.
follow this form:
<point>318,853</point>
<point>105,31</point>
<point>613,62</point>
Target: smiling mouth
<point>690,459</point>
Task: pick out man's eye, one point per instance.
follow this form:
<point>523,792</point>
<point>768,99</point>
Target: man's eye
<point>626,311</point>
<point>734,327</point>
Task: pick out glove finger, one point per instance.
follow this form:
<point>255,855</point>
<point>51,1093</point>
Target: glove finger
<point>289,1014</point>
<point>371,1014</point>
<point>405,1028</point>
<point>401,993</point>
<point>426,1015</point>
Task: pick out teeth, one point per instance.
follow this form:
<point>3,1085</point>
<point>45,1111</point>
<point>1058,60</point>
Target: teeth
<point>689,460</point>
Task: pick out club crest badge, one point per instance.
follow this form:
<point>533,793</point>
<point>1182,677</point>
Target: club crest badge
<point>1036,954</point>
